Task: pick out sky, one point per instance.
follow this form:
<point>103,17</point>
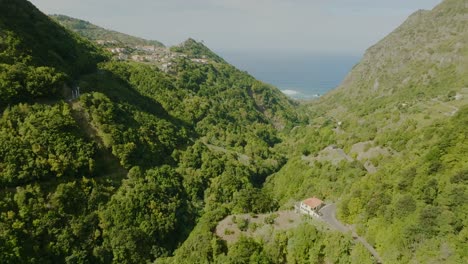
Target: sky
<point>294,26</point>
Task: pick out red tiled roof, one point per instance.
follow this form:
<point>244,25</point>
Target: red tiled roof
<point>313,202</point>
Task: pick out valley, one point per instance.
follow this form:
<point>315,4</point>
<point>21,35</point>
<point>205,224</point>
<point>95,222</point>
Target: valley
<point>172,155</point>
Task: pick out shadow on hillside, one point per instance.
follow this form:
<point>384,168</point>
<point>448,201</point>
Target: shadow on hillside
<point>120,91</point>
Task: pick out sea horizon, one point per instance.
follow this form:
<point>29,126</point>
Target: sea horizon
<point>298,75</point>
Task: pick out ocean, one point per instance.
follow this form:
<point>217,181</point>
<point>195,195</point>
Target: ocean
<point>300,76</point>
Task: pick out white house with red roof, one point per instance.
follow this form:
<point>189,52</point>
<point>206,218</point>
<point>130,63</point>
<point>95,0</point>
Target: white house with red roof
<point>310,206</point>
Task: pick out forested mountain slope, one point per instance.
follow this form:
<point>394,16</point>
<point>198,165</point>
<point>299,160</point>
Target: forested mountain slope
<point>390,144</point>
<point>424,58</point>
<point>95,33</point>
<point>30,68</point>
<point>128,48</point>
<point>110,161</point>
<point>104,161</point>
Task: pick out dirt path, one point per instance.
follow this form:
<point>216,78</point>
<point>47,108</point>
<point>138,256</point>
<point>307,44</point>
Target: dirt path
<point>329,217</point>
<point>105,159</point>
<point>84,123</point>
<point>454,108</point>
<point>244,159</point>
<point>258,225</point>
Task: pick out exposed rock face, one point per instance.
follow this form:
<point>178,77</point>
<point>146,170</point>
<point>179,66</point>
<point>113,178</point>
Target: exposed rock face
<point>422,58</point>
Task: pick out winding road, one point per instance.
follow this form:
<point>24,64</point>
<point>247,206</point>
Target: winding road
<point>454,108</point>
<point>329,216</point>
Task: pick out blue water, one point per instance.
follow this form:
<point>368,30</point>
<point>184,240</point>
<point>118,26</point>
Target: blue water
<point>301,76</point>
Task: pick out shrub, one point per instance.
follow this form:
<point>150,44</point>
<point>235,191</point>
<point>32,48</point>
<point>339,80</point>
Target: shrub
<point>271,219</point>
<point>243,223</point>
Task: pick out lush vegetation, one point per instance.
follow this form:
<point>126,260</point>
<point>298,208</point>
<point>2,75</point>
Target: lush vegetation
<point>24,30</point>
<point>390,143</point>
<point>304,244</point>
<point>412,207</point>
<point>22,82</point>
<point>30,69</point>
<point>42,142</point>
<point>144,164</point>
<point>121,173</point>
<point>417,200</point>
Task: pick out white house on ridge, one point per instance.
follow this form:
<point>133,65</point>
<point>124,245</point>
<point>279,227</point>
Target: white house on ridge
<point>310,206</point>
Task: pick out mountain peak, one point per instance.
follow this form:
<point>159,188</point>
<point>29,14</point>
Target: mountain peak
<point>411,62</point>
<point>196,49</point>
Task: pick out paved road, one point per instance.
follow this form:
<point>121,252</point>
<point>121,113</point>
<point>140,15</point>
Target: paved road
<point>329,217</point>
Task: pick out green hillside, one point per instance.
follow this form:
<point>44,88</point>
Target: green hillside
<point>128,48</point>
<point>424,58</point>
<point>105,160</point>
<point>389,145</point>
<point>122,172</point>
<point>29,68</point>
<point>95,33</point>
<point>24,30</point>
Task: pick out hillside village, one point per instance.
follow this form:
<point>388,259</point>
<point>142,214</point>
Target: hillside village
<point>124,47</point>
<point>161,56</point>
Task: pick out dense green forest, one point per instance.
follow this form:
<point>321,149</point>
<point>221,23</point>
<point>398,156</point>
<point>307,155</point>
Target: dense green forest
<point>143,164</point>
<point>122,173</point>
<point>390,144</point>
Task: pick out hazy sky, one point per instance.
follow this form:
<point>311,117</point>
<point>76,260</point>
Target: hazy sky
<point>332,26</point>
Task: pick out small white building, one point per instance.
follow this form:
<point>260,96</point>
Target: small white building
<point>146,48</point>
<point>310,206</point>
<point>202,61</point>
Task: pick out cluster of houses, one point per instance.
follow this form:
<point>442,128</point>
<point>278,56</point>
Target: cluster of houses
<point>104,42</point>
<point>160,56</point>
<point>116,50</point>
<point>146,48</point>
